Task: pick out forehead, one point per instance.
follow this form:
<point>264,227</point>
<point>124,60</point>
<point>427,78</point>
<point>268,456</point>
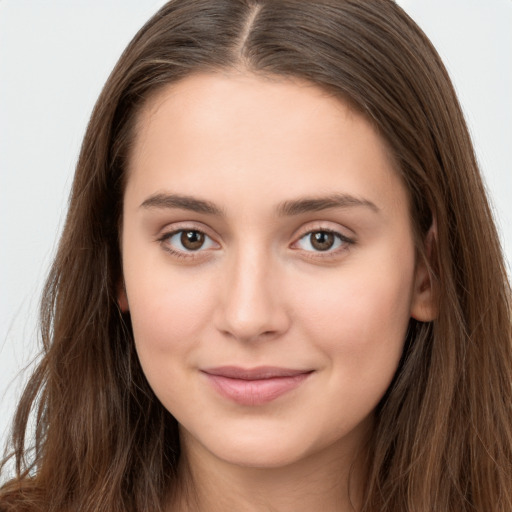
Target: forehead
<point>240,134</point>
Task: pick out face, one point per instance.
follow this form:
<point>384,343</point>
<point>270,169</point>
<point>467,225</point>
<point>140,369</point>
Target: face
<point>269,266</point>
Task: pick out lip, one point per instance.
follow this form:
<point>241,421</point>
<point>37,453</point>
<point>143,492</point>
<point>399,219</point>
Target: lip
<point>254,386</point>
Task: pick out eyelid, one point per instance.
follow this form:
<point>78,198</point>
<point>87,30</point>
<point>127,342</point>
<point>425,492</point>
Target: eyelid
<point>176,227</point>
<point>330,227</point>
<point>347,241</point>
<point>170,231</point>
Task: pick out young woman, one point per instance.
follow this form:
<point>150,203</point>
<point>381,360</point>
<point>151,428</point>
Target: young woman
<point>279,286</point>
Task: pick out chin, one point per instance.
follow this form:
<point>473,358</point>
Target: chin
<point>260,446</point>
<point>261,456</point>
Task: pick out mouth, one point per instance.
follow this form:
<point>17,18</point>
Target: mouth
<point>254,386</point>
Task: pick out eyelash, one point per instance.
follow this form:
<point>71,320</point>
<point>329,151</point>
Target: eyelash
<point>183,254</point>
<point>345,243</point>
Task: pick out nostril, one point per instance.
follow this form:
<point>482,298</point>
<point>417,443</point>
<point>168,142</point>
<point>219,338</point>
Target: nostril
<point>259,325</point>
<point>250,305</point>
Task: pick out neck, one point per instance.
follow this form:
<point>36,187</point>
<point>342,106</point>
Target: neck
<point>330,481</point>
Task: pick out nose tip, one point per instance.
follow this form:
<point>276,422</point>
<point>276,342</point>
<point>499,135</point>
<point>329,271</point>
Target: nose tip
<point>251,308</point>
<point>249,327</point>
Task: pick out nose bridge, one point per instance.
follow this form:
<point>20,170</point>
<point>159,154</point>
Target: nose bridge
<point>251,307</point>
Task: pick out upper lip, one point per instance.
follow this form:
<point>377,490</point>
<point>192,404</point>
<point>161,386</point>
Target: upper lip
<point>258,373</point>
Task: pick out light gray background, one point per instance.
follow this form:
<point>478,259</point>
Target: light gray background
<point>54,58</point>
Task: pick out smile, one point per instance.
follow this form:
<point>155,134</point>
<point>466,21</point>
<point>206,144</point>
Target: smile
<point>254,386</point>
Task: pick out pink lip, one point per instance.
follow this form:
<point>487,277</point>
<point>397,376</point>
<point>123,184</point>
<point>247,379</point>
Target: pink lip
<point>254,386</point>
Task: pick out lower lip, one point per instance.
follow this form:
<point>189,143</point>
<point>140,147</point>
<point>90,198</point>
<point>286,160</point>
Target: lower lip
<point>255,392</point>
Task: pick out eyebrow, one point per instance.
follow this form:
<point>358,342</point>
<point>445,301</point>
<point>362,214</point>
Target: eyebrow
<point>316,204</point>
<point>287,208</point>
<point>190,203</point>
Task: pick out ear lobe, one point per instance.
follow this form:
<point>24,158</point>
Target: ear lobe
<point>424,300</point>
<point>122,298</point>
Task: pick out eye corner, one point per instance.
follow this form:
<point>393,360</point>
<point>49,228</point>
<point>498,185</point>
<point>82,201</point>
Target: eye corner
<point>327,241</point>
<point>174,241</point>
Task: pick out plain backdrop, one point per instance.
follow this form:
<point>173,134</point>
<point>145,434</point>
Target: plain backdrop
<point>55,56</point>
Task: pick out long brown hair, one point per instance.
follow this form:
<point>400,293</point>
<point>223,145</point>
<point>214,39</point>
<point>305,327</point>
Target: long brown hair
<point>443,433</point>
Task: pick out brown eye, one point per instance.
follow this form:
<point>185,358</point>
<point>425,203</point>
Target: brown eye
<point>187,242</point>
<point>322,240</point>
<point>192,240</point>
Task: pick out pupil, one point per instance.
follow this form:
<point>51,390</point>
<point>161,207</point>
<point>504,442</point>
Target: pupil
<point>322,240</point>
<point>192,240</point>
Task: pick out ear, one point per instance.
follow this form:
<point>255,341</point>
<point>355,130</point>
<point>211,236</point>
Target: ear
<point>424,300</point>
<point>122,298</point>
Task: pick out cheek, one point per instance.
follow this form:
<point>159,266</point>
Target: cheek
<point>358,322</point>
<point>359,317</point>
<point>169,317</point>
<point>168,313</point>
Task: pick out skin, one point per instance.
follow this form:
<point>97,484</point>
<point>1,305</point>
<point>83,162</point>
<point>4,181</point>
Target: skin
<point>258,292</point>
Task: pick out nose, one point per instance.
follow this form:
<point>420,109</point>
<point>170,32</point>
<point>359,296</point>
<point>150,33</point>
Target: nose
<point>251,305</point>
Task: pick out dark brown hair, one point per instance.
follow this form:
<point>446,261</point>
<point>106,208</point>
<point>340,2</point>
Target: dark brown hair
<point>443,436</point>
